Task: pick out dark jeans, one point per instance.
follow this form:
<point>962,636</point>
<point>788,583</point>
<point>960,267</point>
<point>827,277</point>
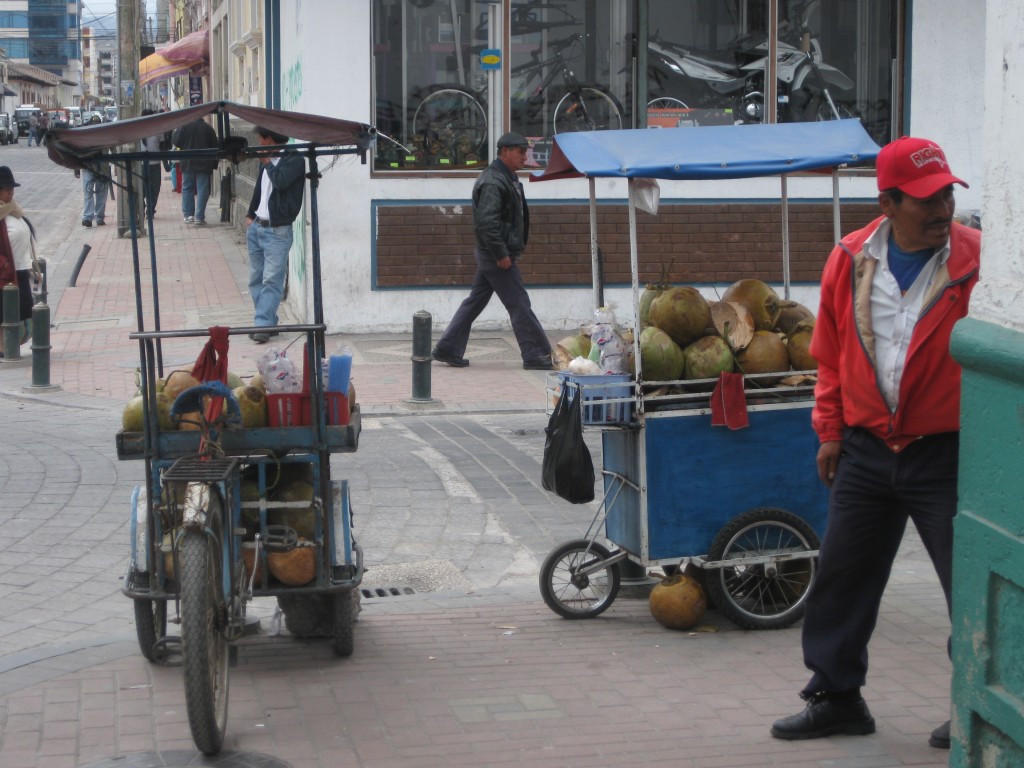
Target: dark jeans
<point>491,279</point>
<point>152,187</point>
<point>874,493</point>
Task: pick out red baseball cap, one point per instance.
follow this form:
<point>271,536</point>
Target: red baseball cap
<point>917,167</point>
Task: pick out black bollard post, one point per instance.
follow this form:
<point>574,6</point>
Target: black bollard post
<point>421,324</point>
<point>11,324</point>
<point>41,347</point>
<point>78,265</point>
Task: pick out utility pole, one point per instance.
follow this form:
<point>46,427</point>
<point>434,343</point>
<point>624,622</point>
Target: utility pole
<point>129,41</point>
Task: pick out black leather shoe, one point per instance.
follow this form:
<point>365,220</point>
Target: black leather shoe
<point>260,338</point>
<point>538,364</point>
<point>824,717</point>
<point>452,360</point>
<point>86,222</point>
<point>940,737</point>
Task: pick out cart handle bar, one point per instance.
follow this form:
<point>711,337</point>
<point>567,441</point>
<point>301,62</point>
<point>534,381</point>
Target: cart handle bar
<point>197,332</point>
<point>192,400</point>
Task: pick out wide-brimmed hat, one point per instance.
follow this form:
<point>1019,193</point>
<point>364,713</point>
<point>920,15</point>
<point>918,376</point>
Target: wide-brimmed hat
<point>7,178</point>
<point>917,167</point>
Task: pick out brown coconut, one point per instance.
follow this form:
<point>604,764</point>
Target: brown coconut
<point>798,345</point>
<point>766,353</point>
<point>733,321</point>
<point>682,313</point>
<point>678,602</point>
<point>760,300</point>
<point>791,314</point>
<point>295,568</point>
<point>252,402</point>
<point>177,382</point>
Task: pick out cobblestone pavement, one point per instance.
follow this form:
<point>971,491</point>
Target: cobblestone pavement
<point>465,665</point>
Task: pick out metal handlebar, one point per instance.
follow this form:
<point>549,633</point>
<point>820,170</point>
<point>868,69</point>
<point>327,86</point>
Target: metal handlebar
<point>191,400</point>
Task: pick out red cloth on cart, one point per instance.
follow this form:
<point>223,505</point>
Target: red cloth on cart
<point>212,365</point>
<point>729,402</point>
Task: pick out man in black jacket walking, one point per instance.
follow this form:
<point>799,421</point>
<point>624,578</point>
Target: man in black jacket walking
<point>501,220</point>
<point>276,201</point>
<point>196,172</point>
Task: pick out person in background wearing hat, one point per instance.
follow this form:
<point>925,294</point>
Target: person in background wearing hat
<point>276,201</point>
<point>501,220</point>
<point>887,415</point>
<point>197,172</point>
<point>17,248</point>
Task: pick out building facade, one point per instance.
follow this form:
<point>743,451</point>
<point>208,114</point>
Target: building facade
<point>43,37</point>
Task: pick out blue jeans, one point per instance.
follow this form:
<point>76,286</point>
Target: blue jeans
<point>94,189</point>
<point>268,265</point>
<point>195,191</point>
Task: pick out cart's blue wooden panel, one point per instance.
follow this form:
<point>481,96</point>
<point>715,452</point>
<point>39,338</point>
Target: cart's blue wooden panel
<point>699,477</point>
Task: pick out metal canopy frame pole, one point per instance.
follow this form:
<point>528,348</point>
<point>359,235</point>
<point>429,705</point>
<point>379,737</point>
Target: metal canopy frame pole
<point>595,256</point>
<point>784,183</point>
<point>837,226</point>
<point>634,268</point>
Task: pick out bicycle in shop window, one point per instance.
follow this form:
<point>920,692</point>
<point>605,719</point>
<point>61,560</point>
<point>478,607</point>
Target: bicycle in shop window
<point>451,120</point>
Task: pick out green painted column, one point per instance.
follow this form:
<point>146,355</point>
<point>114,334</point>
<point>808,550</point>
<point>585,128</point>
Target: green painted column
<point>988,554</point>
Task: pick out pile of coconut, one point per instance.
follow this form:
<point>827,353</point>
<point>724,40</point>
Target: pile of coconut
<point>685,337</point>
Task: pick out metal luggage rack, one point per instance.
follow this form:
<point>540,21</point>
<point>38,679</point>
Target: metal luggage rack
<point>760,388</point>
<point>201,469</point>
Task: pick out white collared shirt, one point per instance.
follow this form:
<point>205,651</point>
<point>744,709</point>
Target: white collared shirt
<point>893,313</point>
<point>263,209</point>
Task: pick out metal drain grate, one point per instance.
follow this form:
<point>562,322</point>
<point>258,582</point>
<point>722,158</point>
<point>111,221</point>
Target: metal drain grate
<point>372,592</point>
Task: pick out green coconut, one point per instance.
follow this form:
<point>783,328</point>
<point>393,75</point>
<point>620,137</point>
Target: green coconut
<point>759,298</point>
<point>706,358</point>
<point>252,402</point>
<point>682,313</point>
<point>651,292</point>
<point>299,518</point>
<point>661,358</point>
<point>134,415</point>
<point>569,348</point>
<point>234,380</point>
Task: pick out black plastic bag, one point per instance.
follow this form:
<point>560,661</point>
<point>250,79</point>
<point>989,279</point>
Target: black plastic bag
<point>568,469</point>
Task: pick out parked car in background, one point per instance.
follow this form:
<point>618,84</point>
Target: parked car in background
<point>91,118</point>
<point>8,129</point>
<point>76,116</point>
<point>22,114</point>
<point>110,113</point>
<point>59,118</point>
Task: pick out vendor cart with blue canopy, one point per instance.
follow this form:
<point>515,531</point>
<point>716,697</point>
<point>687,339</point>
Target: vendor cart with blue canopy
<point>742,505</point>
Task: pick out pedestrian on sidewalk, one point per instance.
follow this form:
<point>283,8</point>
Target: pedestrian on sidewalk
<point>151,176</point>
<point>196,172</point>
<point>17,248</point>
<point>887,415</point>
<point>95,187</point>
<point>276,201</point>
<point>33,129</point>
<point>501,221</point>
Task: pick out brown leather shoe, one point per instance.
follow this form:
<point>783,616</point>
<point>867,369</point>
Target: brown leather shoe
<point>824,716</point>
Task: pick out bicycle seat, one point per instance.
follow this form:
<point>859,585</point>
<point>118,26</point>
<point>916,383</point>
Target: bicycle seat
<point>192,400</point>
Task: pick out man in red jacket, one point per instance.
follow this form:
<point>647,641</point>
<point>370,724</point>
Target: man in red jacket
<point>887,414</point>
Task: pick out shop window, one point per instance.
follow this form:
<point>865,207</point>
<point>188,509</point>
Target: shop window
<point>706,62</point>
<point>564,66</point>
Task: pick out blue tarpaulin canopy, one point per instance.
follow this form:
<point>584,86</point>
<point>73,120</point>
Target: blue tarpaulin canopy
<point>712,152</point>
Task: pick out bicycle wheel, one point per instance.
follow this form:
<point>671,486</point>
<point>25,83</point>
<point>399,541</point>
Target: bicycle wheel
<point>450,120</point>
<point>573,595</point>
<point>204,644</point>
<point>587,109</point>
<point>759,594</point>
<point>150,625</point>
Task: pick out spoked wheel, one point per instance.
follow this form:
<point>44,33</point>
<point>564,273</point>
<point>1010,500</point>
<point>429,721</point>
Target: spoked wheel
<point>150,626</point>
<point>344,619</point>
<point>763,586</point>
<point>451,120</point>
<point>575,595</point>
<point>666,102</point>
<point>588,109</point>
<point>204,644</point>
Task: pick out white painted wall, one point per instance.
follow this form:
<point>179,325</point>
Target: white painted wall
<point>999,297</point>
<point>327,68</point>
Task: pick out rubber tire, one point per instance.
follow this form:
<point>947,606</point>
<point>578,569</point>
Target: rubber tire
<point>598,101</point>
<point>343,640</point>
<point>204,646</point>
<point>777,600</point>
<point>563,597</point>
<point>150,625</point>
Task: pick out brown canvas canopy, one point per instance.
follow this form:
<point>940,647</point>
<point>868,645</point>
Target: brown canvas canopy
<point>76,147</point>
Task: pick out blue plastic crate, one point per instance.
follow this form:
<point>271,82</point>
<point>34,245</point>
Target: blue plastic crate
<point>597,390</point>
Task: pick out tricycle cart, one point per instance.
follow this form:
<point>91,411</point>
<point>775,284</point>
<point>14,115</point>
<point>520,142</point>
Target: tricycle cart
<point>741,505</point>
<point>203,540</point>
